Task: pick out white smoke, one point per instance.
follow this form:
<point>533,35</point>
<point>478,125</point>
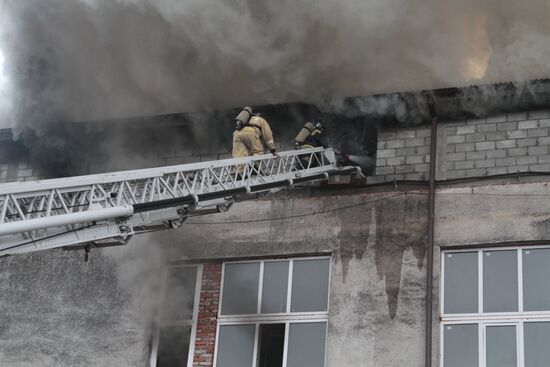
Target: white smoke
<point>6,108</point>
<point>96,59</point>
<point>140,268</point>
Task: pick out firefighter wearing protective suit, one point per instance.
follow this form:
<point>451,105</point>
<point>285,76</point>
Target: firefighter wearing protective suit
<point>312,135</point>
<point>251,133</point>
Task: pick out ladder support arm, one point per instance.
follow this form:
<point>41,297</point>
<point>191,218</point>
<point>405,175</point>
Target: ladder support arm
<point>66,219</point>
<point>81,210</point>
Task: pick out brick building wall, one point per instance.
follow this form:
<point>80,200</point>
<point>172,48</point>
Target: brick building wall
<point>497,145</point>
<point>494,145</point>
<point>205,339</point>
<point>402,154</point>
<point>13,165</point>
<point>20,171</point>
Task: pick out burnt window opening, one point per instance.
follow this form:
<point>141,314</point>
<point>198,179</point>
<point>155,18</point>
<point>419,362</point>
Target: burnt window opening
<point>271,345</point>
<point>356,140</point>
<point>174,334</point>
<point>173,347</point>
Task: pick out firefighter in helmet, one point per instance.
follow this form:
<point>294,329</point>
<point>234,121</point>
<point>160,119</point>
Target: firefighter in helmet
<point>252,135</point>
<point>312,135</point>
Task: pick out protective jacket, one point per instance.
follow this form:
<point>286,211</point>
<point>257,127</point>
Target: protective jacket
<point>247,140</point>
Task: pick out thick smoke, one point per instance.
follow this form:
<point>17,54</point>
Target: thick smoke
<point>139,270</point>
<point>94,59</point>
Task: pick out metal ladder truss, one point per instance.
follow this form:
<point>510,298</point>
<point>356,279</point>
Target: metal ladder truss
<point>108,209</point>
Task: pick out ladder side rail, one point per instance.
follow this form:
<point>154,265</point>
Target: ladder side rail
<point>257,169</point>
<point>105,178</point>
<point>114,227</point>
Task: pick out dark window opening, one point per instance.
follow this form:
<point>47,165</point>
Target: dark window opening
<point>174,332</point>
<point>173,346</point>
<point>271,345</point>
<point>180,293</point>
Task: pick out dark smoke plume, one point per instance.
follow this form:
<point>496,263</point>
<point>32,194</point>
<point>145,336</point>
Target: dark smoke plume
<point>75,60</point>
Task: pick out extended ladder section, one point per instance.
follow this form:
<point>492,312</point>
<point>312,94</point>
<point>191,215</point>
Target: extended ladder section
<point>108,209</point>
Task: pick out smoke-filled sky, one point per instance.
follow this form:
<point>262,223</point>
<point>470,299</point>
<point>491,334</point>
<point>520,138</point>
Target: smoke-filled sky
<point>100,59</point>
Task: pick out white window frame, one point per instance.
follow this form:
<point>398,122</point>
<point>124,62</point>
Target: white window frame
<point>192,322</point>
<point>286,318</point>
<point>484,319</point>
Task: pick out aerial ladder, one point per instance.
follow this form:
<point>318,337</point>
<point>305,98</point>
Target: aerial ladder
<point>110,208</point>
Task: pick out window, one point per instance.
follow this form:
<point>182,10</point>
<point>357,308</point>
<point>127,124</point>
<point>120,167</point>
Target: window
<point>273,313</point>
<point>174,341</point>
<point>496,307</point>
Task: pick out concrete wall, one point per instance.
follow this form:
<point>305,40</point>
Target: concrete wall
<point>497,213</point>
<point>376,296</point>
<point>57,310</point>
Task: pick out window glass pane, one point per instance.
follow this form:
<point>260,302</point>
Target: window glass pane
<point>461,282</point>
<point>310,285</point>
<point>180,293</point>
<point>460,346</point>
<point>501,349</point>
<point>500,281</point>
<point>275,287</point>
<point>536,344</point>
<point>536,284</point>
<point>240,288</point>
<point>236,346</point>
<point>173,346</point>
<point>306,345</point>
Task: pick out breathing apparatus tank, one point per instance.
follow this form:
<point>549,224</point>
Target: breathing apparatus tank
<point>243,117</point>
<point>304,133</point>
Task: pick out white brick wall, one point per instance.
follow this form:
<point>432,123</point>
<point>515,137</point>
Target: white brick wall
<point>403,154</point>
<point>503,144</point>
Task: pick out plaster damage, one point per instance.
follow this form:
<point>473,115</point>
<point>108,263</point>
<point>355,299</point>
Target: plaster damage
<point>380,305</point>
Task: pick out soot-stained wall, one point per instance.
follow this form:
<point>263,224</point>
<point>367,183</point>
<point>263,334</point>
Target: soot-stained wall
<point>378,275</point>
<point>56,149</point>
<point>101,310</point>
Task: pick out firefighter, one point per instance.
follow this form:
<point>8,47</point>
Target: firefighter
<point>312,135</point>
<point>252,135</point>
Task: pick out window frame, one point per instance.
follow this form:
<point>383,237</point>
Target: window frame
<point>486,319</point>
<point>285,318</point>
<point>189,322</point>
<point>489,315</point>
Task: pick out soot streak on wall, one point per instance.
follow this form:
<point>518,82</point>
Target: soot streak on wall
<point>377,295</point>
<point>57,309</point>
<point>401,225</point>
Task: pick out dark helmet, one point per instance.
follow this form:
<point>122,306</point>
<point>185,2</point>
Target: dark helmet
<point>319,125</point>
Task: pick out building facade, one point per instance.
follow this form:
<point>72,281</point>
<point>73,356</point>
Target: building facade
<point>317,276</point>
